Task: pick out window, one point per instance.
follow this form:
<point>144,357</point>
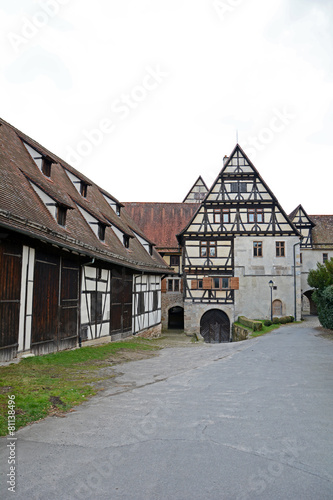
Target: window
<point>216,282</point>
<point>301,258</point>
<point>200,283</point>
<point>217,215</point>
<point>118,209</point>
<point>325,257</point>
<point>141,303</point>
<point>96,307</point>
<point>126,240</point>
<point>257,249</point>
<point>226,216</point>
<point>155,300</point>
<point>220,283</point>
<point>207,248</point>
<point>173,285</point>
<point>280,248</point>
<point>83,189</point>
<point>255,215</point>
<point>174,260</point>
<point>239,187</point>
<point>101,231</point>
<point>61,215</point>
<point>225,282</point>
<point>46,166</point>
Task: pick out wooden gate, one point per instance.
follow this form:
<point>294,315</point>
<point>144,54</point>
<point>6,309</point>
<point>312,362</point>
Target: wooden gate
<point>215,326</point>
<point>10,289</point>
<point>55,304</point>
<point>121,301</point>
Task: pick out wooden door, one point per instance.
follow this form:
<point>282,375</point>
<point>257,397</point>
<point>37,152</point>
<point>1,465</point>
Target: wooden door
<point>121,301</point>
<point>10,291</point>
<point>69,304</point>
<point>45,302</point>
<point>215,326</point>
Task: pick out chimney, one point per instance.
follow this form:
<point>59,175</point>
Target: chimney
<point>225,159</point>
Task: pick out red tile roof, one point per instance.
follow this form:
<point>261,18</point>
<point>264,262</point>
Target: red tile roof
<point>22,210</point>
<point>161,221</point>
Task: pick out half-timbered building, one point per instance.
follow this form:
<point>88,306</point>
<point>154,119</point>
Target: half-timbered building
<point>73,266</point>
<point>161,222</point>
<point>239,240</point>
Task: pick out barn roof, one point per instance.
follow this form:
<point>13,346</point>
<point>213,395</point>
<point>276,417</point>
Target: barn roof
<point>23,210</point>
<point>162,221</point>
<point>322,233</point>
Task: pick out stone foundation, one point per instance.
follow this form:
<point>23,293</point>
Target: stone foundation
<point>153,332</point>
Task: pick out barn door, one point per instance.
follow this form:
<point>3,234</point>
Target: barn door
<point>10,289</point>
<point>215,326</point>
<point>55,303</point>
<point>121,301</point>
<point>69,304</point>
<point>44,330</point>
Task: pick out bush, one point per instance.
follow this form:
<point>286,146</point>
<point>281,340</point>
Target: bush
<point>276,321</point>
<point>324,301</point>
<point>268,322</point>
<point>292,319</point>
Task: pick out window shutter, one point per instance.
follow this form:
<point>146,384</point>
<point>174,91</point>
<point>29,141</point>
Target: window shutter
<point>194,284</point>
<point>234,283</point>
<point>164,286</point>
<point>207,283</point>
<point>181,284</point>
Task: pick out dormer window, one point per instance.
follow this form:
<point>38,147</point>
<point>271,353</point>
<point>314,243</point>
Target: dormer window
<point>150,249</point>
<point>43,162</point>
<point>56,209</point>
<point>97,226</point>
<point>116,207</point>
<point>80,185</point>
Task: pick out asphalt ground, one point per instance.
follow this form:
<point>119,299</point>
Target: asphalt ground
<point>246,420</point>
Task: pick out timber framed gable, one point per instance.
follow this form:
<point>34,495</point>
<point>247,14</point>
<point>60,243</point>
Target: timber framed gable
<point>238,204</point>
<point>304,224</point>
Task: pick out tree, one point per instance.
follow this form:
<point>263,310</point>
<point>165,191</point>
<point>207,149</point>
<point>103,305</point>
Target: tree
<point>321,279</point>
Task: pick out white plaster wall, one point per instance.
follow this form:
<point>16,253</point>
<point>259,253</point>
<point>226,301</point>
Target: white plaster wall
<point>253,299</point>
<point>310,257</point>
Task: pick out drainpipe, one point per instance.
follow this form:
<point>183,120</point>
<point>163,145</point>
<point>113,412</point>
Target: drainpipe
<point>295,297</point>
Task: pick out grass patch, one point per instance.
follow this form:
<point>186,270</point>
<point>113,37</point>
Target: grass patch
<point>55,383</point>
<point>265,329</point>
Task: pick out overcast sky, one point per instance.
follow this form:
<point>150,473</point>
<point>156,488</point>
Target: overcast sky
<point>143,96</point>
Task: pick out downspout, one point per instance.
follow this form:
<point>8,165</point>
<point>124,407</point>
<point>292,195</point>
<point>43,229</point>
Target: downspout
<point>295,296</point>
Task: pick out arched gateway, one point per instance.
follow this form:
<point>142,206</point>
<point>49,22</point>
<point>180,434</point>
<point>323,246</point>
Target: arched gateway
<point>215,326</point>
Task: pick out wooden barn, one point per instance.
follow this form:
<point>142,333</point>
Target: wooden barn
<point>73,266</point>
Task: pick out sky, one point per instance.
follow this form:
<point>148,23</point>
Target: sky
<point>143,96</point>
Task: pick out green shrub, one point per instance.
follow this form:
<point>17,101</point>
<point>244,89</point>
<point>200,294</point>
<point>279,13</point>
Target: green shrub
<point>324,300</point>
<point>292,319</point>
<point>276,321</point>
<point>268,322</point>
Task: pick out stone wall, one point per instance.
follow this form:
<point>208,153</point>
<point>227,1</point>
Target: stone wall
<point>170,299</point>
<point>239,333</point>
<point>153,332</point>
<point>193,313</point>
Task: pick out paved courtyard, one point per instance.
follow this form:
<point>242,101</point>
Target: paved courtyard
<point>247,420</point>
